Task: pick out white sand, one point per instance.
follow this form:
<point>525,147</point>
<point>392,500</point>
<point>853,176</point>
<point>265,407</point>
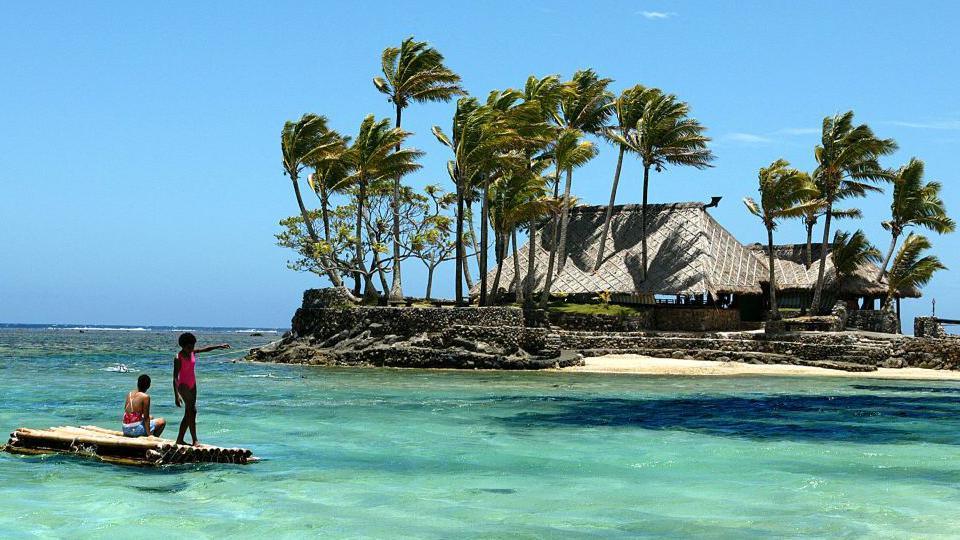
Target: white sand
<point>636,364</point>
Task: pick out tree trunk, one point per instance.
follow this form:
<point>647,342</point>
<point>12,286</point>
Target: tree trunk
<point>564,218</point>
<point>483,244</point>
<point>430,269</point>
<point>899,325</point>
<point>517,286</point>
<point>894,234</point>
<point>458,267</point>
<point>358,261</point>
<point>311,232</point>
<point>774,312</point>
<point>396,290</point>
<point>818,291</point>
<point>809,253</point>
<point>378,264</point>
<point>501,254</point>
<point>548,279</point>
<point>530,280</point>
<point>609,217</point>
<point>332,272</point>
<point>643,221</point>
<point>473,241</point>
<point>554,230</point>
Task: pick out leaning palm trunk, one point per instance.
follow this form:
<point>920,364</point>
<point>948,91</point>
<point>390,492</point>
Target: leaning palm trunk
<point>818,292</point>
<point>308,223</point>
<point>396,290</point>
<point>476,247</point>
<point>552,246</point>
<point>461,260</point>
<point>516,285</point>
<point>484,209</point>
<point>809,253</point>
<point>358,243</point>
<point>530,280</point>
<point>332,271</point>
<point>564,218</point>
<point>609,217</point>
<point>886,260</point>
<point>643,221</point>
<point>774,311</point>
<point>503,241</point>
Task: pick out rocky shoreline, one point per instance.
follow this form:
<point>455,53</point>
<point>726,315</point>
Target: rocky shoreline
<point>331,330</point>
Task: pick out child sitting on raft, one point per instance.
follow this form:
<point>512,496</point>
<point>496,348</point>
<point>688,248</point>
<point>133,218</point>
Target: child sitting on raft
<point>137,421</point>
<point>185,382</point>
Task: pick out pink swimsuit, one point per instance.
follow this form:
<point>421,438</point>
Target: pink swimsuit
<point>186,376</point>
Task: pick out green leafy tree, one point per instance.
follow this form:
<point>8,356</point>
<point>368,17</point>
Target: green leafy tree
<point>664,135</point>
<point>847,166</point>
<point>783,191</point>
<point>432,240</point>
<point>915,204</point>
<point>373,156</point>
<point>413,72</point>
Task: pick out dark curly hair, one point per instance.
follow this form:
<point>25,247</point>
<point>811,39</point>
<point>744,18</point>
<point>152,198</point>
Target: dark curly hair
<point>187,338</point>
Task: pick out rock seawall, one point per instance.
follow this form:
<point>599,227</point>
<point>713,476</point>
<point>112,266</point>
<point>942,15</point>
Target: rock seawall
<point>330,330</point>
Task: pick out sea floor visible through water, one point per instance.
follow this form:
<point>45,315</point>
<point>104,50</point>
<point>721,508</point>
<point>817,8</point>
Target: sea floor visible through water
<point>386,453</point>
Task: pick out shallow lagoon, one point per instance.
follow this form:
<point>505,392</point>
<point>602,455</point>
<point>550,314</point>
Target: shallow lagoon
<point>441,454</point>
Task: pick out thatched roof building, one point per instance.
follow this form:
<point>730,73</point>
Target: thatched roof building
<point>689,253</point>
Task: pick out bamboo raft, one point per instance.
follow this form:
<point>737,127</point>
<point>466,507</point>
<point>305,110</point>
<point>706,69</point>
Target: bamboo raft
<point>112,447</point>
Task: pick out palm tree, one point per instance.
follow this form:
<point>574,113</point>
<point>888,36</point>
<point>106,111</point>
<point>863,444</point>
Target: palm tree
<point>627,108</point>
<point>373,156</point>
<point>664,135</point>
<point>782,194</point>
<point>813,213</point>
<point>585,108</point>
<point>850,252</point>
<point>515,199</point>
<point>847,166</point>
<point>329,177</point>
<point>412,72</point>
<point>302,142</point>
<point>915,204</point>
<point>909,269</point>
<point>568,153</point>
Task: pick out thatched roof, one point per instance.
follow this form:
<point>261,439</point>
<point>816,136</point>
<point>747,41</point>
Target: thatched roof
<point>792,273</point>
<point>688,253</point>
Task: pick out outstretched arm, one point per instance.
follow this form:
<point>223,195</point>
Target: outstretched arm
<point>212,348</point>
<point>176,373</point>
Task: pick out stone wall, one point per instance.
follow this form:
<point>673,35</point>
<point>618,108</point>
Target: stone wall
<point>926,352</point>
<point>704,319</point>
<point>928,327</point>
<point>643,320</point>
<point>670,319</point>
<point>404,321</point>
<point>872,320</point>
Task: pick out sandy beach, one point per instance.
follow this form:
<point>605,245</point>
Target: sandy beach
<point>635,364</point>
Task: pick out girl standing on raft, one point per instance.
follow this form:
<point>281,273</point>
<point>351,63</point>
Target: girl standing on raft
<point>185,382</point>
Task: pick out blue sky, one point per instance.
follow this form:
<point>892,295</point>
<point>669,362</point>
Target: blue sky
<point>139,148</point>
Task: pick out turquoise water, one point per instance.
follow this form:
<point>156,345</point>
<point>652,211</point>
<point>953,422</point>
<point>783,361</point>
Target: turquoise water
<point>440,454</point>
